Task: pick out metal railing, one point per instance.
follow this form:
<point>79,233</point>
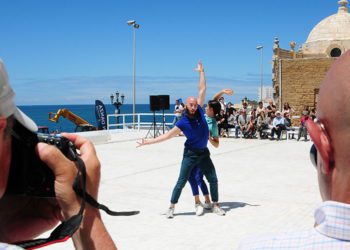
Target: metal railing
<point>143,121</point>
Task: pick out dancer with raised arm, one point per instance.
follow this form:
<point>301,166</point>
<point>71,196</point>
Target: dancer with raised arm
<point>196,180</point>
<point>195,128</point>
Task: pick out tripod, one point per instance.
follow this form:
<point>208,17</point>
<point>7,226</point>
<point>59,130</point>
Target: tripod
<point>153,127</point>
<point>163,123</point>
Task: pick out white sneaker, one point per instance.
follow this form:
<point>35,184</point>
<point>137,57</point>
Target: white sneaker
<point>170,213</point>
<point>199,209</point>
<point>207,206</point>
<point>218,210</point>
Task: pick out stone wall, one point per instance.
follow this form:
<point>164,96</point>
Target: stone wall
<point>301,79</point>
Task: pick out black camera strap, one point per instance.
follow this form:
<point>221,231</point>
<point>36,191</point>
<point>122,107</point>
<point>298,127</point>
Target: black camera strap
<point>89,199</point>
<point>86,196</point>
<point>67,228</point>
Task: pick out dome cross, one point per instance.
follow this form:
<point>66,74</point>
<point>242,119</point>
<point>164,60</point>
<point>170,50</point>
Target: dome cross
<point>343,7</point>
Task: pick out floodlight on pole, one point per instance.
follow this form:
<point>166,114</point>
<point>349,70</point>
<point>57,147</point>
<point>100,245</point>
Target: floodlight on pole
<point>135,26</point>
<point>261,48</point>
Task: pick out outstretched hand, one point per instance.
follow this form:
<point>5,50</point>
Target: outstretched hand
<point>199,67</point>
<point>142,142</point>
<point>227,91</point>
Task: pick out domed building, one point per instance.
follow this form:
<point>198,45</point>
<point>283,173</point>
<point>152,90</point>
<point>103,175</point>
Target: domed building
<point>297,75</point>
<point>331,36</point>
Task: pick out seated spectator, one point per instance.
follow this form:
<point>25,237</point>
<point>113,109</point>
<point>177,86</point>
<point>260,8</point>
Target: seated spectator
<point>302,128</point>
<point>306,108</point>
<point>287,109</point>
<point>313,114</point>
<point>222,103</point>
<point>287,121</point>
<point>277,126</point>
<point>230,108</point>
<point>270,119</point>
<point>253,112</point>
<point>251,126</point>
<point>262,124</point>
<point>222,123</point>
<point>231,121</point>
<point>271,109</point>
<point>241,122</point>
<point>260,108</point>
<point>245,106</point>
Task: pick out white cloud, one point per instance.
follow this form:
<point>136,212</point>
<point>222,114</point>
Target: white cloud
<point>84,90</point>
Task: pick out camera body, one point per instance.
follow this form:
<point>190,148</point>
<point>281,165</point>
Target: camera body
<point>29,176</point>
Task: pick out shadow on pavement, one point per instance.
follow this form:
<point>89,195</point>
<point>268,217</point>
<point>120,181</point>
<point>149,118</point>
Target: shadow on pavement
<point>227,206</point>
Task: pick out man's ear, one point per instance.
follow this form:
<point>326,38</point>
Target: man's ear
<point>322,143</point>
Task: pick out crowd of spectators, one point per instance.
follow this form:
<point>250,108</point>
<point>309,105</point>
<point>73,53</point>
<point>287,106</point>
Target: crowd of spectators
<point>261,122</point>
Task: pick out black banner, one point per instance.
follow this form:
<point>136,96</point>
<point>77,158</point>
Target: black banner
<point>101,115</point>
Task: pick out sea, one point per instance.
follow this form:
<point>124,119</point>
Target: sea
<point>40,114</point>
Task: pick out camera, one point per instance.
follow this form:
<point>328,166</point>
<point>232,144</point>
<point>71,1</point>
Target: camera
<point>29,176</point>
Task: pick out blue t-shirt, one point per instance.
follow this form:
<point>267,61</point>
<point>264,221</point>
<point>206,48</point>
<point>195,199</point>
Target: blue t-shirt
<point>195,129</point>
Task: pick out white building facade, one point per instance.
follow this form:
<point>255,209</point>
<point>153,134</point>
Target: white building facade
<point>267,93</point>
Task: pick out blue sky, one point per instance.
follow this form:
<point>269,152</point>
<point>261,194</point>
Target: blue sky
<point>75,51</point>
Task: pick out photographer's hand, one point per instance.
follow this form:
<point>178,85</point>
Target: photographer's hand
<point>24,218</point>
<point>65,171</point>
<point>92,233</point>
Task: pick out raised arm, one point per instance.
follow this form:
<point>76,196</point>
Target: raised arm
<point>221,93</point>
<point>202,84</point>
<point>173,132</point>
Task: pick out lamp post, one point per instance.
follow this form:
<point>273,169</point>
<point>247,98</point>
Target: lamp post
<point>117,103</point>
<point>261,48</point>
<point>135,26</point>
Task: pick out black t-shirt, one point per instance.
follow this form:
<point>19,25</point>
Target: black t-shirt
<point>270,108</point>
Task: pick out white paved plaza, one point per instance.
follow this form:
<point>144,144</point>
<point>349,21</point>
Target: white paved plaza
<point>264,186</point>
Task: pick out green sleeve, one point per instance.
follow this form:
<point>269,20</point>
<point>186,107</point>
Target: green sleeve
<point>213,127</point>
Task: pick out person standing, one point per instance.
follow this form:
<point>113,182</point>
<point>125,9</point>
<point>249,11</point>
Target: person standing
<point>178,109</point>
<point>195,128</point>
<point>196,180</point>
<point>25,217</point>
<point>302,128</point>
<point>330,156</point>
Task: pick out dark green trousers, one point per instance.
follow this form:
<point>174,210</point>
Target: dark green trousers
<point>200,158</point>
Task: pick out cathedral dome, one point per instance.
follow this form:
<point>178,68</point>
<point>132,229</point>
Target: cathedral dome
<point>331,36</point>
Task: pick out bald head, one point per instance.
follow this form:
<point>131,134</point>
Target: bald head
<point>334,98</point>
<point>191,105</point>
<point>191,99</point>
<point>333,108</point>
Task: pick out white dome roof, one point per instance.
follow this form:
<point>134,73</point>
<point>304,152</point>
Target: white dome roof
<point>334,27</point>
<point>332,33</point>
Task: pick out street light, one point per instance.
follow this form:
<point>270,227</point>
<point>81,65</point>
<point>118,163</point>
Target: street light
<point>261,48</point>
<point>117,103</point>
<point>135,26</point>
